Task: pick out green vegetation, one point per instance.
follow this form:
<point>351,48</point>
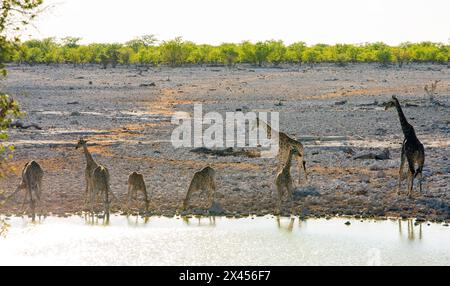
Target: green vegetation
<point>177,52</point>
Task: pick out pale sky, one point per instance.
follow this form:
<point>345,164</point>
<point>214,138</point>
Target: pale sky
<point>217,21</point>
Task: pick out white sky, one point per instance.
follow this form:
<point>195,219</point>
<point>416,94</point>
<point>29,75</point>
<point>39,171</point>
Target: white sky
<point>217,21</point>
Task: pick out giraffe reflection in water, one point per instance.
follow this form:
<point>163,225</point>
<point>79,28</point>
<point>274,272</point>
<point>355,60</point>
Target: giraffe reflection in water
<point>414,230</point>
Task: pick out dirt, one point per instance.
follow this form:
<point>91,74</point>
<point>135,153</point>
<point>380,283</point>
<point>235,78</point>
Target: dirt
<point>127,123</point>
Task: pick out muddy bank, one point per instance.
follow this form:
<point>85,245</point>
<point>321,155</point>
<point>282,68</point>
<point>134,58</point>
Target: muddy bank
<point>127,123</point>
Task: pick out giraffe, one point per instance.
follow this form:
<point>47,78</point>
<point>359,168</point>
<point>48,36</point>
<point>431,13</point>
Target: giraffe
<point>32,174</point>
<point>283,180</point>
<point>412,150</point>
<point>285,144</point>
<point>202,180</point>
<point>100,185</point>
<point>136,183</point>
<point>90,167</point>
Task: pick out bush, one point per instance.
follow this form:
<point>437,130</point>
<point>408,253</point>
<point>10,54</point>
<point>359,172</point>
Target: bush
<point>384,57</point>
<point>174,52</point>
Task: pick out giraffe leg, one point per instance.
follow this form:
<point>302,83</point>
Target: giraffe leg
<point>289,189</point>
<point>212,190</point>
<point>419,170</point>
<point>192,188</point>
<point>147,201</point>
<point>92,200</point>
<point>420,181</point>
<point>25,199</point>
<point>107,203</point>
<point>400,171</point>
<point>410,178</point>
<point>304,170</point>
<point>129,197</point>
<point>280,197</point>
<point>300,168</point>
<point>86,192</point>
<point>38,197</point>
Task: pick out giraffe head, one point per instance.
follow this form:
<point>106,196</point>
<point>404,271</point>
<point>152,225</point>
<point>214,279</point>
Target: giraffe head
<point>391,103</point>
<point>81,143</point>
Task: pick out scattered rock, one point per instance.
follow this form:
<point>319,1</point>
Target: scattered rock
<point>380,132</point>
<point>279,103</point>
<point>384,155</point>
<point>20,125</point>
<point>420,219</point>
<point>227,152</point>
<point>381,174</point>
<point>342,102</point>
<point>305,192</point>
<point>147,84</point>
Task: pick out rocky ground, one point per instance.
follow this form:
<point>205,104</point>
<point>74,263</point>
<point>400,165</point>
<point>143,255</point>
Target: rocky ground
<point>125,113</point>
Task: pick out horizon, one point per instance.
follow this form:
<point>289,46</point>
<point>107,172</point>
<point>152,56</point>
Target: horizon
<point>349,22</point>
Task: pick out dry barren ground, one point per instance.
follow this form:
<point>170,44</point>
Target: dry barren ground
<point>126,119</point>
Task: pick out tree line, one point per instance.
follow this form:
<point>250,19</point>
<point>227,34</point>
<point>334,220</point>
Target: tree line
<point>146,50</point>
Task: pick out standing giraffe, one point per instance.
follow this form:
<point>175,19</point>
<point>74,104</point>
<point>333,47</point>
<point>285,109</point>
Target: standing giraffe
<point>283,180</point>
<point>32,174</point>
<point>412,150</point>
<point>286,143</point>
<point>100,185</point>
<point>136,183</point>
<point>90,167</point>
<point>202,181</point>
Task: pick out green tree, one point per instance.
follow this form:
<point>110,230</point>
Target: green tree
<point>174,52</point>
<point>310,56</point>
<point>71,42</point>
<point>384,56</point>
<point>229,53</point>
<point>247,52</point>
<point>295,51</point>
<point>262,51</point>
<point>277,52</point>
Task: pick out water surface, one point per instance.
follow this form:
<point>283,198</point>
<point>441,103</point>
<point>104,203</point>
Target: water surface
<point>223,241</point>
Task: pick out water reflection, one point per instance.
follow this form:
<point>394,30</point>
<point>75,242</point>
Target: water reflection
<point>137,220</point>
<point>92,219</point>
<point>414,231</point>
<point>249,240</point>
<point>289,227</point>
<point>200,221</point>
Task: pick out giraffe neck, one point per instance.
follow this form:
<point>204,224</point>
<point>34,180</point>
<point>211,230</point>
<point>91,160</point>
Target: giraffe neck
<point>89,159</point>
<point>407,128</point>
